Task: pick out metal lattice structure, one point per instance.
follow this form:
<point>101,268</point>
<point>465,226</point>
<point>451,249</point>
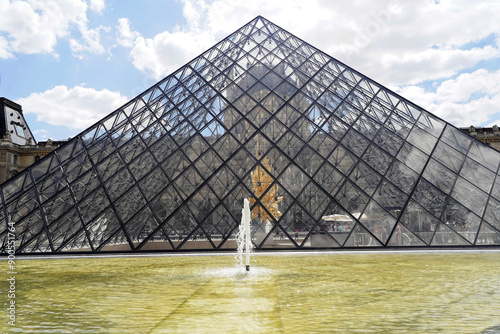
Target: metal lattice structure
<point>352,163</point>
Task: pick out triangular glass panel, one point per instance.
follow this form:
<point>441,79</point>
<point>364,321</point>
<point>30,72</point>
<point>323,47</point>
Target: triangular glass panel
<point>337,222</point>
<point>188,182</point>
<point>342,159</point>
<point>376,220</point>
<point>377,159</point>
<point>309,160</point>
<point>141,226</point>
<point>484,155</point>
<point>457,139</point>
<point>88,136</point>
<point>241,162</point>
<point>487,235</point>
<point>355,142</point>
<point>315,200</point>
<point>223,181</point>
<point>422,140</point>
<point>40,244</point>
<point>226,146</point>
<point>444,236</point>
<point>3,225</point>
<point>40,169</point>
<point>274,129</point>
<point>276,238</point>
<point>477,174</point>
<point>470,196</point>
<point>365,178</point>
<point>78,242</point>
<point>174,165</point>
<point>430,124</point>
<point>165,203</point>
<point>412,157</point>
<point>118,242</point>
<point>29,227</point>
<point>461,220</point>
<point>297,221</point>
<point>352,199</point>
<point>233,201</point>
<point>65,229</point>
<point>431,198</point>
<point>322,143</point>
<point>367,127</point>
<point>102,227</point>
<point>219,225</point>
<point>292,178</point>
<point>360,237</point>
<point>304,128</point>
<point>319,238</point>
<point>329,178</point>
<point>492,213</point>
<point>388,141</point>
<point>64,153</point>
<point>16,186</point>
<point>440,176</point>
<point>159,241</point>
<point>402,177</point>
<point>58,204</point>
<point>390,198</point>
<point>401,236</point>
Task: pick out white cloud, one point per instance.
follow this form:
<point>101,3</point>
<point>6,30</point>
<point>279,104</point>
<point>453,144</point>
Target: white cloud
<point>90,41</point>
<point>396,42</point>
<point>166,52</point>
<point>432,64</point>
<point>41,134</point>
<point>97,5</point>
<point>76,108</point>
<point>4,45</point>
<point>126,36</point>
<point>36,26</point>
<point>470,99</point>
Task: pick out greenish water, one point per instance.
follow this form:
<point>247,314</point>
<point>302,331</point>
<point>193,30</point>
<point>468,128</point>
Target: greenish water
<point>344,293</point>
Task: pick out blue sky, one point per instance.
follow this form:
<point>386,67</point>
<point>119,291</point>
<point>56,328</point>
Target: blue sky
<point>69,63</point>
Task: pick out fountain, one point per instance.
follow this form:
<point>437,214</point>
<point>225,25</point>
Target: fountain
<point>244,239</point>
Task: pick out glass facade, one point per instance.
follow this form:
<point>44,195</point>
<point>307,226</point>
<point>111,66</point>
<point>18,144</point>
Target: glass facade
<point>327,157</point>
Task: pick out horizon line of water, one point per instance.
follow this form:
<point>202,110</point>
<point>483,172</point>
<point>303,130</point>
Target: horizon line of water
<point>254,253</point>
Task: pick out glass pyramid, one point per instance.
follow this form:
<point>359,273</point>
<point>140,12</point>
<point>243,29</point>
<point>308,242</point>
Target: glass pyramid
<point>327,157</point>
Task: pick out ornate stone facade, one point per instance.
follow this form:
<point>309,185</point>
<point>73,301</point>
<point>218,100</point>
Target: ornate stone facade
<point>18,148</point>
<point>490,136</point>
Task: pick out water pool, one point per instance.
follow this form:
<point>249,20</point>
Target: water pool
<point>452,292</point>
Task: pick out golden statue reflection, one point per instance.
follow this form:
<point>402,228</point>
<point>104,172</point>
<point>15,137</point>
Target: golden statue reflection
<point>262,182</point>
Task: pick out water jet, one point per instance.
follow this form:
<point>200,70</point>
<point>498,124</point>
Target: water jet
<point>244,238</point>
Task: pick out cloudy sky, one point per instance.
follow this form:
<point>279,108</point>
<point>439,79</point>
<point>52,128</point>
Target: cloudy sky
<point>71,62</point>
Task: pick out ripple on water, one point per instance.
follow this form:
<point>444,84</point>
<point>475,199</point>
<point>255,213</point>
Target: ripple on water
<point>239,273</point>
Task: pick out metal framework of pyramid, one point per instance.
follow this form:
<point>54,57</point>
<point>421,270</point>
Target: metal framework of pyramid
<point>328,158</point>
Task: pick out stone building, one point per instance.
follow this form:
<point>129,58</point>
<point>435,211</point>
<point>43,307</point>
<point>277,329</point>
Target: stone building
<point>18,147</point>
<point>490,136</point>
